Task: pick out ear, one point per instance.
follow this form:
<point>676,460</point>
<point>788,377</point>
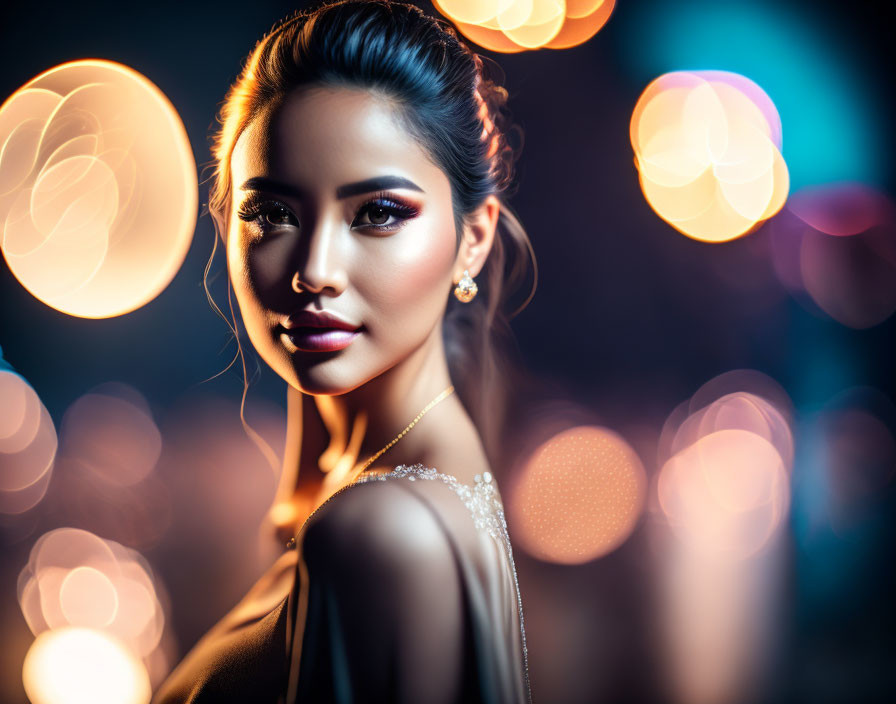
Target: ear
<point>477,238</point>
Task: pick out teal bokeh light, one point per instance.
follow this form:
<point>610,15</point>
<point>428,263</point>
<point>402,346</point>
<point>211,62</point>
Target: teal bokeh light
<point>827,104</point>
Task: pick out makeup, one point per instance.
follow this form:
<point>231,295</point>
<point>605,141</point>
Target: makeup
<point>319,331</point>
<point>309,340</point>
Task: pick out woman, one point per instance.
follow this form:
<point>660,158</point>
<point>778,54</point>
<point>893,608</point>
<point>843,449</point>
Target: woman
<point>359,172</point>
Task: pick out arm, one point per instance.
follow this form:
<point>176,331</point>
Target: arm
<point>384,619</point>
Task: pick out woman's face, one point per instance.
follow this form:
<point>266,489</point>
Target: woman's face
<point>328,187</point>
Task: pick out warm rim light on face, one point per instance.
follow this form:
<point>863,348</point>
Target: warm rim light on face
<point>338,211</point>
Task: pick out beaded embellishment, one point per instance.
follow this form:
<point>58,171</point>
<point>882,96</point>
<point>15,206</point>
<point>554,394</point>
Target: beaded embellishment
<point>484,503</point>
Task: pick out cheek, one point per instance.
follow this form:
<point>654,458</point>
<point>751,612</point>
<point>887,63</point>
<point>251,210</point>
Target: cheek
<point>413,273</point>
<point>260,267</point>
<point>236,266</point>
<point>248,285</point>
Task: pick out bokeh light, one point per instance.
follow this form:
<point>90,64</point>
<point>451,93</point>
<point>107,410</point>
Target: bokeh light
<point>807,58</point>
<point>841,209</point>
<point>722,496</point>
<point>138,515</point>
<point>75,578</point>
<point>111,433</point>
<point>725,493</point>
<point>511,26</point>
<point>834,249</point>
<point>579,496</point>
<point>724,479</point>
<point>80,665</point>
<point>88,598</point>
<point>98,188</point>
<point>104,477</point>
<point>28,445</point>
<point>716,625</point>
<point>707,148</point>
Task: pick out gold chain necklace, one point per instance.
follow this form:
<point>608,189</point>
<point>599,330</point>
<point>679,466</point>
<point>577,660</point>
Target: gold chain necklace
<point>441,397</point>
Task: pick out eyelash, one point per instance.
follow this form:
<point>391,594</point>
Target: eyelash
<point>255,207</point>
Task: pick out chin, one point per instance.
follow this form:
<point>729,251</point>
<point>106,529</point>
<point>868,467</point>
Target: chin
<point>318,373</point>
<point>335,373</point>
<point>326,377</point>
<point>319,385</point>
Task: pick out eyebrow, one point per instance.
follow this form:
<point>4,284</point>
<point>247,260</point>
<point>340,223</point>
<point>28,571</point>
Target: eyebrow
<point>261,183</point>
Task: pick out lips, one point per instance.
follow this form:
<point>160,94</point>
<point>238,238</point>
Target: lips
<point>319,331</point>
<point>318,319</point>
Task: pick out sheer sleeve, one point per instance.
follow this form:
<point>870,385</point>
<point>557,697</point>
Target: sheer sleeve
<point>378,613</point>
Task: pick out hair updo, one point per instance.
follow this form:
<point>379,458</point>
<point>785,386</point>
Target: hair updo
<point>450,105</point>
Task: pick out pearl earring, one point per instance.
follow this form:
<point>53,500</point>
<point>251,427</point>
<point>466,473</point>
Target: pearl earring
<point>466,288</point>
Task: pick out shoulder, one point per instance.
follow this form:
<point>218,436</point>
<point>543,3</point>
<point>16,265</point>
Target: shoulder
<point>381,557</point>
<point>380,540</point>
<point>382,519</point>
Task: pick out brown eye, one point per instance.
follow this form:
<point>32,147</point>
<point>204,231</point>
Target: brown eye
<point>384,214</point>
<point>377,215</point>
<point>278,215</point>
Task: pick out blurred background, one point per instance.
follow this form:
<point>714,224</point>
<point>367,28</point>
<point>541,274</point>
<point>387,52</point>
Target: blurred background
<point>699,483</point>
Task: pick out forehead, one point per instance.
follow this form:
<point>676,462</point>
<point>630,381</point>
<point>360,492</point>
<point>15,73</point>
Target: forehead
<point>321,136</point>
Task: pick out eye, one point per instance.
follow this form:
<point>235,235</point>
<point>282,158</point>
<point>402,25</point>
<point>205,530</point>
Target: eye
<point>385,214</point>
<point>279,215</point>
<point>267,214</point>
<point>377,214</point>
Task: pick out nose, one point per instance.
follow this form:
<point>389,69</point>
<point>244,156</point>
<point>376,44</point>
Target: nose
<point>321,268</point>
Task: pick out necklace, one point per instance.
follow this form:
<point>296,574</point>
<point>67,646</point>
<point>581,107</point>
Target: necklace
<point>291,543</point>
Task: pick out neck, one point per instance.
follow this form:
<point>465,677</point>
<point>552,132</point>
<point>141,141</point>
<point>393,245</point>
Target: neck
<point>378,410</point>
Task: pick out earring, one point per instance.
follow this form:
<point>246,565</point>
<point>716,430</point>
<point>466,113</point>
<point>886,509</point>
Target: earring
<point>466,288</point>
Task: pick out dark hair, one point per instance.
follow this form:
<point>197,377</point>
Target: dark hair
<point>455,111</point>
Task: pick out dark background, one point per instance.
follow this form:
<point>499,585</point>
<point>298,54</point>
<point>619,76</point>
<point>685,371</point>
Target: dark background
<point>630,318</point>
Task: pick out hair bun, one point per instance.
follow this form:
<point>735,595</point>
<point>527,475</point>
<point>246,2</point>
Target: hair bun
<point>497,124</point>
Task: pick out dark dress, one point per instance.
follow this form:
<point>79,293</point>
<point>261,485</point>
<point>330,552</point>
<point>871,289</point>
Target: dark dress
<point>402,588</point>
